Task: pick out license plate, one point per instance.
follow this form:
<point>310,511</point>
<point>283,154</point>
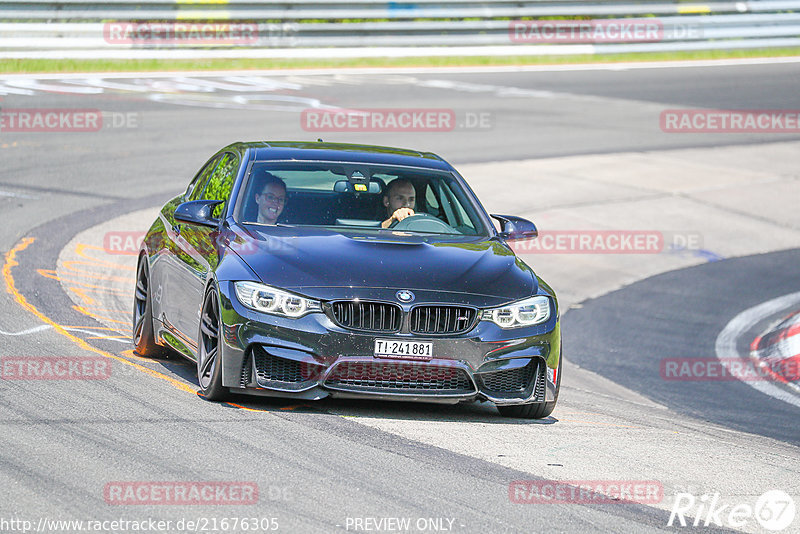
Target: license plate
<point>404,350</point>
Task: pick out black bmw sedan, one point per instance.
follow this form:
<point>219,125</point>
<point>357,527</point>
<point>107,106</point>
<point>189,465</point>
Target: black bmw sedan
<point>308,270</point>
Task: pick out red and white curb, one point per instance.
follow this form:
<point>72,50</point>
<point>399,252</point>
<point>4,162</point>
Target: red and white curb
<point>726,344</point>
<point>779,349</point>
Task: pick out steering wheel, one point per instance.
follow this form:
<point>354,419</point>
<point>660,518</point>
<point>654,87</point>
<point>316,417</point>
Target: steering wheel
<point>423,222</point>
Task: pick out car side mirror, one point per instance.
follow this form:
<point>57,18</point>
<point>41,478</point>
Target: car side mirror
<point>515,228</point>
<point>197,212</point>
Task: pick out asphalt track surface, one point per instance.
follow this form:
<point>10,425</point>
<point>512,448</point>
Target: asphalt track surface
<point>319,467</point>
<point>658,307</point>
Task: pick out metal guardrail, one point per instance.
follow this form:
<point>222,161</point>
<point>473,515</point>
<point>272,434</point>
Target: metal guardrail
<point>79,28</point>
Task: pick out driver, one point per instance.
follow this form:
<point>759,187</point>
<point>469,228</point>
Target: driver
<point>399,201</point>
<point>270,197</point>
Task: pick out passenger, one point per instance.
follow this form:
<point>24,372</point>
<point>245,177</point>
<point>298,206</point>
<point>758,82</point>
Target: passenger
<point>399,200</point>
<point>271,199</point>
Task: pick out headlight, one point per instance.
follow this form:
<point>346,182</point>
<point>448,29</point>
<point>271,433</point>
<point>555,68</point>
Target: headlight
<point>263,298</point>
<point>526,312</point>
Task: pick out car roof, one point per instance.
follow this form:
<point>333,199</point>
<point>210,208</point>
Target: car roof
<point>320,151</point>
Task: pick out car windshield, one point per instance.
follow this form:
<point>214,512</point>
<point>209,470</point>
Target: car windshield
<point>357,196</point>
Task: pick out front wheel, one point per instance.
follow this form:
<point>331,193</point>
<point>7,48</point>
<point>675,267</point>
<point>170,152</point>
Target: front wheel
<point>534,410</point>
<point>209,359</point>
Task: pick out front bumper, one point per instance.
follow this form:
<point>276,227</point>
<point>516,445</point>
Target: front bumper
<point>312,357</point>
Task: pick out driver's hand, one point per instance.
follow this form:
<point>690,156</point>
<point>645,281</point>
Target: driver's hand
<point>398,215</point>
<point>401,213</point>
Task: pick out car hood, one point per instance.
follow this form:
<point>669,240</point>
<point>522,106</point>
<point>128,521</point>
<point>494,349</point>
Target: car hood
<point>327,265</point>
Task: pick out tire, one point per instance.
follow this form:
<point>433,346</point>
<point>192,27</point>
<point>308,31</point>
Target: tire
<point>534,410</point>
<point>144,341</point>
<point>209,366</point>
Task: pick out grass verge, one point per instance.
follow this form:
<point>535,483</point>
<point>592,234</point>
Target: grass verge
<point>8,66</point>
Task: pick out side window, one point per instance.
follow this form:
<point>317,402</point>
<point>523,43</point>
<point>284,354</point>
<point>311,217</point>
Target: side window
<point>220,182</point>
<point>465,220</point>
<point>199,182</point>
<point>430,198</point>
<point>455,211</point>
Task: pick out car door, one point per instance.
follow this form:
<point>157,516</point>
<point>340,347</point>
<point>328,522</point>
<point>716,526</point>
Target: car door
<point>171,276</point>
<point>199,252</point>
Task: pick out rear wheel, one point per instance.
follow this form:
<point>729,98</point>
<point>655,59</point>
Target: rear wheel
<point>534,410</point>
<point>144,341</point>
<point>209,360</point>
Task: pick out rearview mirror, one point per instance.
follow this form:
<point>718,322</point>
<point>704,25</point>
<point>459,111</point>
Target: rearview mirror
<point>197,212</point>
<point>343,186</point>
<point>515,228</point>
